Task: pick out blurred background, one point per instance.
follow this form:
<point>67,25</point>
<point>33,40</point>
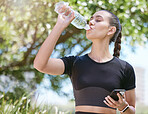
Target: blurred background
<point>25,24</point>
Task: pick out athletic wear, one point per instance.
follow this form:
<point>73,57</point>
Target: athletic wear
<point>93,81</point>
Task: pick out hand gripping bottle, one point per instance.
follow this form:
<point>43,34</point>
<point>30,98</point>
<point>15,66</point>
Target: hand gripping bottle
<point>79,21</point>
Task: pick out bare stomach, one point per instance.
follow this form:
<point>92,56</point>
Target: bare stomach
<point>94,109</point>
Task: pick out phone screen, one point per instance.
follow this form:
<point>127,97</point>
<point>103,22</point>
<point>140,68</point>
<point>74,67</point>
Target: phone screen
<point>114,93</point>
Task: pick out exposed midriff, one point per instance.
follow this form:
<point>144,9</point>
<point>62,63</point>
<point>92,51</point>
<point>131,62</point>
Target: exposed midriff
<point>94,109</point>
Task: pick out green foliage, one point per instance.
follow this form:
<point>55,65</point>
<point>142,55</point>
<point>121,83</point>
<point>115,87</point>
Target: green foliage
<point>25,24</point>
<point>24,105</point>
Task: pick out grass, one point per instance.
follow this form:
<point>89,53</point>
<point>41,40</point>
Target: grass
<point>24,105</point>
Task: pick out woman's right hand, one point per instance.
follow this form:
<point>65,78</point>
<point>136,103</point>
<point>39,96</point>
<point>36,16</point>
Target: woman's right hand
<point>65,19</point>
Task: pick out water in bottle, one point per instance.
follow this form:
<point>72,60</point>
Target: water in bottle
<point>79,21</point>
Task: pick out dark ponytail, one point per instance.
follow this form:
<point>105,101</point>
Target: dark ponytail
<point>114,21</point>
<point>117,47</point>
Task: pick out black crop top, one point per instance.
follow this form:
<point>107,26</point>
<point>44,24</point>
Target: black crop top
<point>93,81</point>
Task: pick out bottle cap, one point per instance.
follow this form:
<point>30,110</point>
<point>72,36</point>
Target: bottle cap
<point>87,27</point>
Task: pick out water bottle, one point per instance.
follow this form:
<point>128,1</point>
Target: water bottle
<point>79,21</point>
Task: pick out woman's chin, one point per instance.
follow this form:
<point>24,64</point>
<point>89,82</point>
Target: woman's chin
<point>88,36</point>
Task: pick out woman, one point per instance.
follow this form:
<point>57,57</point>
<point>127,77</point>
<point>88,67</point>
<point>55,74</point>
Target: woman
<point>96,74</point>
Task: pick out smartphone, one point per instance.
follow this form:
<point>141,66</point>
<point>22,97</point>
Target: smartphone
<point>114,93</point>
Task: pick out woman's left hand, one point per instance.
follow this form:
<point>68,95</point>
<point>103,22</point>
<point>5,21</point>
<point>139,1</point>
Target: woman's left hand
<point>120,104</point>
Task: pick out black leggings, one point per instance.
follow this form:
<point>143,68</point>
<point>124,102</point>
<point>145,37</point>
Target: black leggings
<point>86,113</point>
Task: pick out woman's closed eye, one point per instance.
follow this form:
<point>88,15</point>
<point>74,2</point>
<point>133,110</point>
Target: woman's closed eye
<point>97,20</point>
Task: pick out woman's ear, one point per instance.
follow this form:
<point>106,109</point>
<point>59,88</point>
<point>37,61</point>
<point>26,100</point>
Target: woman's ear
<point>111,30</point>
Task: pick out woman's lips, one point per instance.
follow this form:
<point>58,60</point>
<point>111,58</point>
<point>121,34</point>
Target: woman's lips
<point>90,29</point>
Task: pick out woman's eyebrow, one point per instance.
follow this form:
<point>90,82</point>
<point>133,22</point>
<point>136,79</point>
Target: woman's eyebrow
<point>97,16</point>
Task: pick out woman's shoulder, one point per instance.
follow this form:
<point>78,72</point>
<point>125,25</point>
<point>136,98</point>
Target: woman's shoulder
<point>73,57</point>
<point>76,56</point>
<point>125,64</point>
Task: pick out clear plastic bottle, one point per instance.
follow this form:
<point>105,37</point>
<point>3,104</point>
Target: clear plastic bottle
<point>79,21</point>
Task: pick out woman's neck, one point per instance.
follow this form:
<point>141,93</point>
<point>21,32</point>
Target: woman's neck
<point>100,52</point>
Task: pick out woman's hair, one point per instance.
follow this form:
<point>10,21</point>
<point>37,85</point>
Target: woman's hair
<point>114,21</point>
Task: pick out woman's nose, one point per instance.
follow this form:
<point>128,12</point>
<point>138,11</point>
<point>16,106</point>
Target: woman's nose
<point>91,22</point>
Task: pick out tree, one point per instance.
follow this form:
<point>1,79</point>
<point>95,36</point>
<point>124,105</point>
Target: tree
<point>25,24</point>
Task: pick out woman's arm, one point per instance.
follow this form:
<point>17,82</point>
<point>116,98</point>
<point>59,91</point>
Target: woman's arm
<point>123,103</point>
<point>42,61</point>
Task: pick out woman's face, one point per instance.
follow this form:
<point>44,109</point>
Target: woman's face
<point>99,24</point>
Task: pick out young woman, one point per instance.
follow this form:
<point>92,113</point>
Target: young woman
<point>95,74</point>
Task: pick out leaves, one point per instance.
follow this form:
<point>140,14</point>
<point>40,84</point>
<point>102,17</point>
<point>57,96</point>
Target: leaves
<point>25,24</point>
